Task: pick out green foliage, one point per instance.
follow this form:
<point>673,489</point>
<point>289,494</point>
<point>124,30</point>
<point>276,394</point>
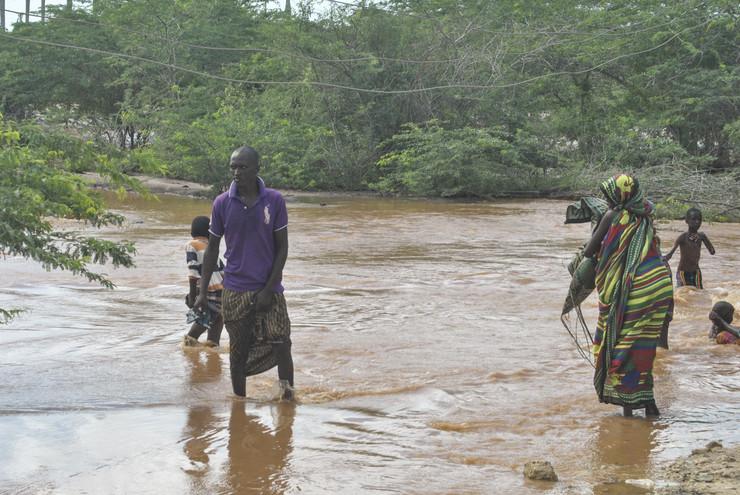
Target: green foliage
<point>38,186</point>
<point>433,161</point>
<point>530,93</point>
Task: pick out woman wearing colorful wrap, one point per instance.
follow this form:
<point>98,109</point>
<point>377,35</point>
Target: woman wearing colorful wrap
<point>635,292</point>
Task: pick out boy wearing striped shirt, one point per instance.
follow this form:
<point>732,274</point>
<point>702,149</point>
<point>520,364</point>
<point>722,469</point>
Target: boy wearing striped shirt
<point>209,319</point>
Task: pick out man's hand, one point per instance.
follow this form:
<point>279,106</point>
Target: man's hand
<point>201,303</point>
<point>188,301</point>
<point>263,301</point>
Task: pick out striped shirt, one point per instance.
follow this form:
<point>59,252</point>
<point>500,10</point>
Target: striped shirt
<point>194,252</point>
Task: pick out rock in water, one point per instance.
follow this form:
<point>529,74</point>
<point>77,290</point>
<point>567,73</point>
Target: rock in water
<point>540,470</point>
<point>713,445</point>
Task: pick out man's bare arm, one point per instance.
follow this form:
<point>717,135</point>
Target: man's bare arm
<point>281,256</point>
<point>264,297</point>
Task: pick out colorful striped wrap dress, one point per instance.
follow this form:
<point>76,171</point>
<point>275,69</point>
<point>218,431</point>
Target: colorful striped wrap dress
<point>635,293</point>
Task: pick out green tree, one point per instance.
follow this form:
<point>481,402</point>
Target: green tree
<point>433,161</point>
<point>37,187</point>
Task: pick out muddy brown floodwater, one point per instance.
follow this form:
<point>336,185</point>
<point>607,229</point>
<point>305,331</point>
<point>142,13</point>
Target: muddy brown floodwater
<point>429,360</point>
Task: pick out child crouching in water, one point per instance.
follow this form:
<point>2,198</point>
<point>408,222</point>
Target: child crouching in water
<point>211,319</point>
<point>721,316</point>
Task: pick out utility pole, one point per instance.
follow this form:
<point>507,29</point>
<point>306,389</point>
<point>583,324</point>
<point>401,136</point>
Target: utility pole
<point>43,11</point>
<point>69,4</point>
<point>2,15</point>
<point>28,10</point>
<point>287,7</point>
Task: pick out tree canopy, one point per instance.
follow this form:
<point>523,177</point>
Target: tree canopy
<point>423,97</point>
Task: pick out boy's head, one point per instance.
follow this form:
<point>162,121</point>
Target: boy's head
<point>693,218</point>
<point>724,310</point>
<point>199,227</point>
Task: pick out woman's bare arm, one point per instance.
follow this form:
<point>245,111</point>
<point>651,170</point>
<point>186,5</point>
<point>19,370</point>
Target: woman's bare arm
<point>593,245</point>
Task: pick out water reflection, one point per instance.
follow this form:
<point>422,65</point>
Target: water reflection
<point>201,425</point>
<point>259,454</point>
<point>622,450</point>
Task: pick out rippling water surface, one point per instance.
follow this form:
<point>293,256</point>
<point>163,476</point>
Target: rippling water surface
<point>429,356</point>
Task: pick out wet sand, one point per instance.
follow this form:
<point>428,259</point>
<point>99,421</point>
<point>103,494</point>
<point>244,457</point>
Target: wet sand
<point>429,359</point>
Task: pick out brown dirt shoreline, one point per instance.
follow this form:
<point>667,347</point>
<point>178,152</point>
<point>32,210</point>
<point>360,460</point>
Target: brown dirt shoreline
<point>157,185</point>
<point>167,185</point>
<point>712,470</point>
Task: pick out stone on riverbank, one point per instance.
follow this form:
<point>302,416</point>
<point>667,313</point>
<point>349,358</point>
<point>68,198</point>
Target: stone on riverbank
<point>540,470</point>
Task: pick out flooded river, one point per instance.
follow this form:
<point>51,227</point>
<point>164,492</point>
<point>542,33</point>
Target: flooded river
<point>429,356</point>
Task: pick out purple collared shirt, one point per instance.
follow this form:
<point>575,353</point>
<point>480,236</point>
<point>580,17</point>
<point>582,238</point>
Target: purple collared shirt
<point>248,232</point>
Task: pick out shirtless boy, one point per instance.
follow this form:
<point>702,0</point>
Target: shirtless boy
<point>690,242</point>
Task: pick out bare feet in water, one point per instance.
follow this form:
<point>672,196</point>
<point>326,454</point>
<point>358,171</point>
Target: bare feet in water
<point>652,410</point>
<point>286,391</point>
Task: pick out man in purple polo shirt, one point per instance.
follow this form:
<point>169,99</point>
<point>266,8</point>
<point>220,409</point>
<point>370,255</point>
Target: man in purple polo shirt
<point>253,221</point>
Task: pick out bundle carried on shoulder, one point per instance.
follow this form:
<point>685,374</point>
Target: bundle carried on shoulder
<point>582,271</point>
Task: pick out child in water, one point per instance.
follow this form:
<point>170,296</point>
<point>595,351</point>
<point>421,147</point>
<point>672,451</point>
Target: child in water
<point>721,317</point>
<point>690,242</point>
<point>211,319</point>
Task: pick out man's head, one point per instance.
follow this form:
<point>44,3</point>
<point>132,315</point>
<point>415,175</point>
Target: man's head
<point>693,218</point>
<point>199,227</point>
<point>244,164</point>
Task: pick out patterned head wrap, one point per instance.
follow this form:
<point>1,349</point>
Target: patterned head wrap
<point>625,192</point>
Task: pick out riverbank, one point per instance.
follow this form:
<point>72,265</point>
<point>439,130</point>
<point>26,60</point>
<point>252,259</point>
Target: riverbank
<point>166,185</point>
<point>157,185</point>
<point>179,187</point>
<point>712,470</point>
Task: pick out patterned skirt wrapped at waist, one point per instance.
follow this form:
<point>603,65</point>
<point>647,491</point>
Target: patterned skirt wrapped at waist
<point>624,373</point>
<point>273,326</point>
<point>252,336</point>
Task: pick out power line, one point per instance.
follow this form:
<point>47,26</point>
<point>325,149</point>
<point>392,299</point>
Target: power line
<point>607,32</point>
<point>351,88</point>
<point>245,49</point>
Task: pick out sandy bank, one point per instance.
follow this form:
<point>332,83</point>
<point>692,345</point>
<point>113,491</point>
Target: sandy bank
<point>712,470</point>
<point>158,185</point>
<point>166,185</point>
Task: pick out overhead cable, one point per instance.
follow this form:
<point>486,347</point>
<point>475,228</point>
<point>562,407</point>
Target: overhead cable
<point>352,88</point>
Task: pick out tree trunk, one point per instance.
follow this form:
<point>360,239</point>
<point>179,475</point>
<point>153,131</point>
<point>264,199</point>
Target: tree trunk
<point>69,4</point>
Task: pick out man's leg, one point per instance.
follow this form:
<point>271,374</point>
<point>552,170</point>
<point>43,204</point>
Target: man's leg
<point>240,339</point>
<point>284,360</point>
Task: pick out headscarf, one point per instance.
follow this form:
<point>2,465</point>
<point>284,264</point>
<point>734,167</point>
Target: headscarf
<point>624,191</point>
